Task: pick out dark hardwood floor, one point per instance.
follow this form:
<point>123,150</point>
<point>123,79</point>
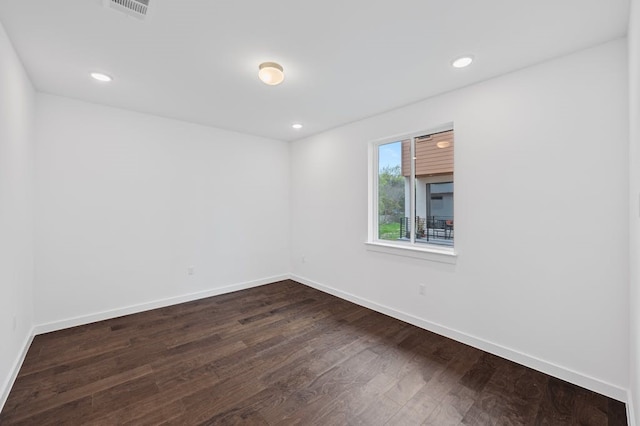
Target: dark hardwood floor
<point>282,354</point>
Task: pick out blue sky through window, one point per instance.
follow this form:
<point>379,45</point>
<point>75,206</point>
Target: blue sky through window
<point>389,155</point>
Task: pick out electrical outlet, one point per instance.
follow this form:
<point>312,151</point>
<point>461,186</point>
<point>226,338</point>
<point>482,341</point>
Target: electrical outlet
<point>14,323</point>
<point>303,259</point>
<point>191,270</point>
<point>421,289</point>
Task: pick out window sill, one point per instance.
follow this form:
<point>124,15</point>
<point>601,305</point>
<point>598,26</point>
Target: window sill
<point>431,253</point>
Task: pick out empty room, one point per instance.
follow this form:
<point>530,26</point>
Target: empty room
<point>330,213</point>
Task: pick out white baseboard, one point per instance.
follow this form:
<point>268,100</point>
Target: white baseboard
<point>554,370</point>
<point>141,307</point>
<point>15,369</point>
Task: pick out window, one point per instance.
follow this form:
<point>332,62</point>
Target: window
<point>412,192</point>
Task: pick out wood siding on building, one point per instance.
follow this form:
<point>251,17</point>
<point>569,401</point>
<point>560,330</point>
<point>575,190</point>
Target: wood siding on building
<point>430,159</point>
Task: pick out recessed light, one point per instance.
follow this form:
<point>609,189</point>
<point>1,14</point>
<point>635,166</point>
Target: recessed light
<point>461,62</point>
<point>443,144</point>
<point>297,126</point>
<point>101,77</point>
<point>270,73</point>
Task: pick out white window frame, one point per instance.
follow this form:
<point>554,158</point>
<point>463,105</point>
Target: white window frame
<point>410,248</point>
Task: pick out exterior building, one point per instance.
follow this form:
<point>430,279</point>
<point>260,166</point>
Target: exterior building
<point>433,183</point>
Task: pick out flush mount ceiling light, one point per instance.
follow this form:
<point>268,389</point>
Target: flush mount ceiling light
<point>271,73</point>
<point>101,77</point>
<point>443,144</point>
<point>461,62</point>
<point>297,126</point>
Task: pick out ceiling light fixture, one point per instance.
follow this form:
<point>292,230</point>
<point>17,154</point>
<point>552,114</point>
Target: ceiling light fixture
<point>461,62</point>
<point>101,77</point>
<point>297,126</point>
<point>443,144</point>
<point>271,73</point>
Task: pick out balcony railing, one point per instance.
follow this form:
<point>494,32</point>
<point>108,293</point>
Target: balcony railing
<point>433,229</point>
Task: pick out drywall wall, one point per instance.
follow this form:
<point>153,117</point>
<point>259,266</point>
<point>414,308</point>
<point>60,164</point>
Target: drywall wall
<point>541,175</point>
<point>128,203</point>
<point>634,204</point>
<point>17,113</point>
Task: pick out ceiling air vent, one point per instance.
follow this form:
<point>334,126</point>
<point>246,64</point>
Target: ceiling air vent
<point>136,8</point>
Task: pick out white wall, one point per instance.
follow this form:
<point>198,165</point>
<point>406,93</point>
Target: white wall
<point>634,203</point>
<point>17,113</point>
<point>127,202</point>
<point>542,272</point>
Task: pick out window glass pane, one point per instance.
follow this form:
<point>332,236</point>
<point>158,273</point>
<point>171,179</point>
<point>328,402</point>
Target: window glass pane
<point>434,189</point>
<point>391,191</point>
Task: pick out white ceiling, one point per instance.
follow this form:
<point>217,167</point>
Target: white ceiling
<point>197,60</point>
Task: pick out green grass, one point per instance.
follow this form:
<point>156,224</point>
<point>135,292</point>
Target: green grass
<point>389,231</point>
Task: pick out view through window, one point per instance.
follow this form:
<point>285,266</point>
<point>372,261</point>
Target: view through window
<point>415,190</point>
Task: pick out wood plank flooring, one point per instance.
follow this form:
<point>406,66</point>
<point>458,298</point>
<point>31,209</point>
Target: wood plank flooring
<point>282,354</point>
